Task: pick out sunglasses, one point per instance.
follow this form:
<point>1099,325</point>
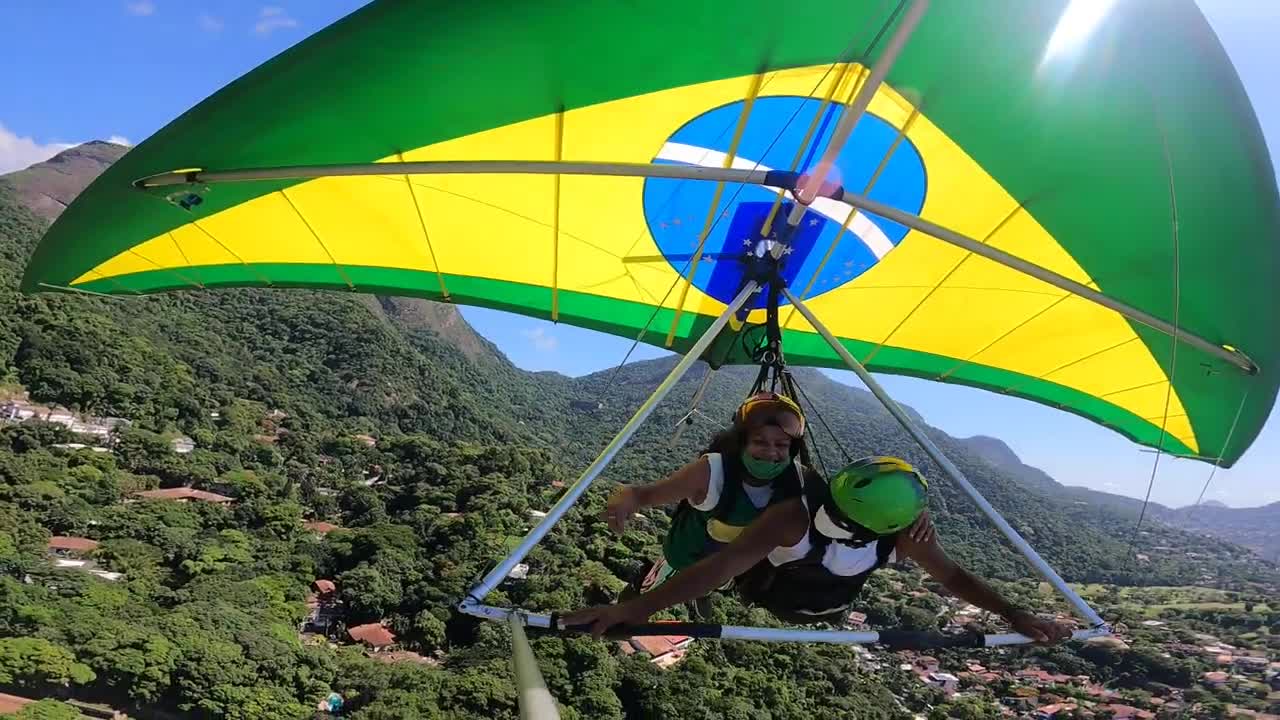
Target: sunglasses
<point>833,523</point>
<point>767,411</point>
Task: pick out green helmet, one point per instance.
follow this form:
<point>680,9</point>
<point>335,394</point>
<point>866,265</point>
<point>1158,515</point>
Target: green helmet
<point>879,494</point>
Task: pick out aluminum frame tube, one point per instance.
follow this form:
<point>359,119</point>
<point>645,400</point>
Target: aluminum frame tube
<point>532,695</point>
<point>915,222</point>
<point>465,167</point>
<point>808,192</point>
<point>535,535</point>
<point>739,632</point>
<point>949,468</point>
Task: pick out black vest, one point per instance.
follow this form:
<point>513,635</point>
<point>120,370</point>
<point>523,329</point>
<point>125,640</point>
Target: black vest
<point>806,590</point>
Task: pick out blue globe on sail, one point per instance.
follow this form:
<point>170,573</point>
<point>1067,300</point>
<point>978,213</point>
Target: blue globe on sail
<point>876,162</point>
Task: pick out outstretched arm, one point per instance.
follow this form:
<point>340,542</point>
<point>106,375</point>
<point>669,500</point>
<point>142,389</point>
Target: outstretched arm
<point>973,589</point>
<point>782,524</point>
<point>688,483</point>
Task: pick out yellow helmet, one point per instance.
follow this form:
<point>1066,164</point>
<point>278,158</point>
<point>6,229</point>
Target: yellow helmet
<point>772,409</point>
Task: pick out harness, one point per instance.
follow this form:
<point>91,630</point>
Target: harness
<point>807,590</point>
<point>719,525</point>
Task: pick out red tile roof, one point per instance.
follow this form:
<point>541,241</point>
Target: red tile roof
<point>79,544</point>
<point>659,645</point>
<point>13,703</point>
<point>372,634</point>
<point>320,526</point>
<point>325,587</point>
<point>184,493</point>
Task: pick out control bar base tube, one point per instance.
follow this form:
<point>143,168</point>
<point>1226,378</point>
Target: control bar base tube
<point>945,464</point>
<point>899,639</point>
<point>535,535</point>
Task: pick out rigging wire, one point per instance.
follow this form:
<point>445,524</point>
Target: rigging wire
<point>1173,341</point>
<point>821,420</point>
<point>1225,444</point>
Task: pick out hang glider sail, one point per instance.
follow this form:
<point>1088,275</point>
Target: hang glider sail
<point>1126,167</point>
<point>1067,202</point>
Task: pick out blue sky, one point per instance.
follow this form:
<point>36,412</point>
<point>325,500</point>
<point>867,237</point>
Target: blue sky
<point>77,70</point>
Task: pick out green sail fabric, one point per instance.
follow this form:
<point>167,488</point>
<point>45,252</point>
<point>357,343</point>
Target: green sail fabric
<point>1132,163</point>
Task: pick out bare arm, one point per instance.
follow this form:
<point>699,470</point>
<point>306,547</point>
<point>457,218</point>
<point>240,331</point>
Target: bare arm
<point>973,589</point>
<point>782,524</point>
<point>688,483</point>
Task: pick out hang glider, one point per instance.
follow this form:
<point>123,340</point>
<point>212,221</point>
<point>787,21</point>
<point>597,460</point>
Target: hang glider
<point>1070,203</point>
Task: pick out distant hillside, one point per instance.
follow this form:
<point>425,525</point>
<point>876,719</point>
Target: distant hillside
<point>1001,456</point>
<point>46,188</point>
<point>167,360</point>
<point>1255,528</point>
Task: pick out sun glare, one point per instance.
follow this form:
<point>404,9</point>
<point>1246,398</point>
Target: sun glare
<point>1075,26</point>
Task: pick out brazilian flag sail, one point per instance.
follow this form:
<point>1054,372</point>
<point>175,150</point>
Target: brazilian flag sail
<point>1112,146</point>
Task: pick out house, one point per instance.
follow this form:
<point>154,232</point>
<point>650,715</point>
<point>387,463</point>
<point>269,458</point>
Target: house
<point>11,704</point>
<point>1110,642</point>
<point>185,494</point>
<point>323,607</point>
<point>80,446</point>
<point>374,636</point>
<point>11,411</point>
<point>663,650</point>
<point>855,620</point>
<point>1234,711</point>
<point>927,663</point>
<point>71,547</point>
<point>319,527</point>
<point>394,656</point>
<point>1215,679</point>
<point>366,439</point>
<point>74,552</point>
<point>1049,712</point>
<point>1250,664</point>
<point>182,444</point>
<point>1127,712</point>
<point>1017,702</point>
<point>946,682</point>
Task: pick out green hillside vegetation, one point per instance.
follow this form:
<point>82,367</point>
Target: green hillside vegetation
<point>205,621</point>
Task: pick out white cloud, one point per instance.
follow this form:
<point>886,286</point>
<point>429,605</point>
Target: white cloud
<point>17,153</point>
<point>542,342</point>
<point>209,23</point>
<point>120,140</point>
<point>272,18</point>
<point>141,8</point>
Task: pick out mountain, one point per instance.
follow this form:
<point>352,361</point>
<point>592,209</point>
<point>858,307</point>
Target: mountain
<point>354,363</point>
<point>167,361</point>
<point>46,188</point>
<point>1255,528</point>
<point>999,455</point>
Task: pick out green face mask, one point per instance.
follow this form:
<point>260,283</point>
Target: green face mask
<point>763,469</point>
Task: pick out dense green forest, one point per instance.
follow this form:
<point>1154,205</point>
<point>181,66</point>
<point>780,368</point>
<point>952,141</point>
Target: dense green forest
<point>275,388</point>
